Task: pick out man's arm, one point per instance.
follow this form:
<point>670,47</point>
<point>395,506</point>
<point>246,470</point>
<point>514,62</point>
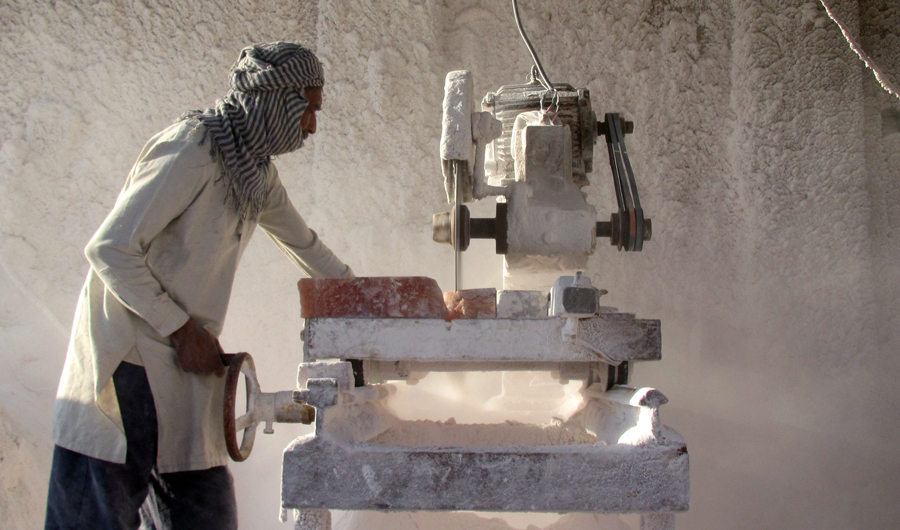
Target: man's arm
<point>161,186</point>
<point>284,225</point>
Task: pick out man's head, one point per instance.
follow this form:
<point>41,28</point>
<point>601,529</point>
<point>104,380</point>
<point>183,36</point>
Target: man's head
<point>276,65</point>
<point>280,88</point>
<point>276,90</point>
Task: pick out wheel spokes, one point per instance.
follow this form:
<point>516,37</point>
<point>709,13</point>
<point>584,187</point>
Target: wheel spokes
<point>243,422</point>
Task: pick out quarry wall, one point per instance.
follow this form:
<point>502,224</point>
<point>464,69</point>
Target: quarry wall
<point>766,154</point>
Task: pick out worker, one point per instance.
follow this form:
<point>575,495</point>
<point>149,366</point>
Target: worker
<point>138,420</point>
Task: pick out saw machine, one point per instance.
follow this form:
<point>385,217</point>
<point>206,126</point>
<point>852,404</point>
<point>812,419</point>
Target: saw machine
<point>613,455</point>
<point>531,146</point>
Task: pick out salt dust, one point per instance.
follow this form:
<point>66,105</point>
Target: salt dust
<point>448,433</point>
<point>482,521</point>
<point>487,397</point>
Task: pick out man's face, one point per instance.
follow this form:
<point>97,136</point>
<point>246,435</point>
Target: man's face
<point>308,120</point>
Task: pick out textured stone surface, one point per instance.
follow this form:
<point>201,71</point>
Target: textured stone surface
<point>472,303</point>
<point>379,297</point>
<point>312,520</point>
<point>318,473</point>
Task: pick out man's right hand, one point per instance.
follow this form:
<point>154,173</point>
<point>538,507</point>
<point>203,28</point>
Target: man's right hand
<point>197,350</point>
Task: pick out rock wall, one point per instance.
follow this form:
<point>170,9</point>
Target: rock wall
<point>766,154</point>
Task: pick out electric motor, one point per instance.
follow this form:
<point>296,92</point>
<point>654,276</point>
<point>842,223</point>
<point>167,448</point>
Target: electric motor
<point>574,110</point>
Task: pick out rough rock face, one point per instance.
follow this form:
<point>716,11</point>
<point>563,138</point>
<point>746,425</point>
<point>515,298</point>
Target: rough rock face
<point>472,303</point>
<point>22,497</point>
<point>376,297</point>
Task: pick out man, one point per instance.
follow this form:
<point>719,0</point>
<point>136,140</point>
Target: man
<point>138,414</point>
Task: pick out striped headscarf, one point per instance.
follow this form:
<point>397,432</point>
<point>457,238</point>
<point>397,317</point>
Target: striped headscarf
<point>259,118</point>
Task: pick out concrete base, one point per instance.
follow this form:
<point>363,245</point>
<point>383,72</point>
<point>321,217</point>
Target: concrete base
<point>611,456</point>
<point>321,473</point>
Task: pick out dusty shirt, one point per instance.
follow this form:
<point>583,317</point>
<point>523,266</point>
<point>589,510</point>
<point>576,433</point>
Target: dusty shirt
<point>169,249</point>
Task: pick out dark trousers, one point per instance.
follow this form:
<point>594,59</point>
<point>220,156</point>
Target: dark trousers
<point>87,493</point>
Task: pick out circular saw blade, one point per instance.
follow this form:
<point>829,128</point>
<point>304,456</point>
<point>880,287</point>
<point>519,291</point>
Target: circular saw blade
<point>458,175</point>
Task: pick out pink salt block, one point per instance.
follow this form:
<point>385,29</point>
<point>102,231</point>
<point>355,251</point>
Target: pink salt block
<point>371,297</point>
<point>472,303</point>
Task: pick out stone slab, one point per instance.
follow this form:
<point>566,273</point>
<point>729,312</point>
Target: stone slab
<point>604,338</point>
<point>372,297</point>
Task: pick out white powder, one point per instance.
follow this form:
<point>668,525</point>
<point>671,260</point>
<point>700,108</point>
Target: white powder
<point>425,433</point>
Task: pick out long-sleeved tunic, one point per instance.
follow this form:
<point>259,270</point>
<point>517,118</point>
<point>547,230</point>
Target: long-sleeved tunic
<point>169,249</point>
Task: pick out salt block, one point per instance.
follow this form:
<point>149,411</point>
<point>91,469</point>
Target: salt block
<point>472,303</point>
<point>372,297</point>
<point>522,304</point>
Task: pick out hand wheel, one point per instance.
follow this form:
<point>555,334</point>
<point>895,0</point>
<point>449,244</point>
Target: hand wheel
<point>282,407</point>
<point>240,363</point>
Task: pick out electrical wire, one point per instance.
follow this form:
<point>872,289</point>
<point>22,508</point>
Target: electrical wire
<point>870,64</point>
<point>542,79</point>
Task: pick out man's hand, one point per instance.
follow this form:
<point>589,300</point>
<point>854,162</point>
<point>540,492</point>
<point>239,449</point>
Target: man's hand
<point>196,350</point>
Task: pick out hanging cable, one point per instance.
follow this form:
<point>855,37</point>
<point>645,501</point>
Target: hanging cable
<point>542,79</point>
<point>870,64</point>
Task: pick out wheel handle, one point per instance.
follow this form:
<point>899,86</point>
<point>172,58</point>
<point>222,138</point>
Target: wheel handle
<point>240,363</point>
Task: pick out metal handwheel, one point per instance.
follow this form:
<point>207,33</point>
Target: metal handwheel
<point>280,407</point>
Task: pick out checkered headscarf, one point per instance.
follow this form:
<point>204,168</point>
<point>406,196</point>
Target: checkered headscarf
<point>259,118</point>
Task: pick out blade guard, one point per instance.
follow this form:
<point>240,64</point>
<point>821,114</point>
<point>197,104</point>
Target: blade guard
<point>464,136</point>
